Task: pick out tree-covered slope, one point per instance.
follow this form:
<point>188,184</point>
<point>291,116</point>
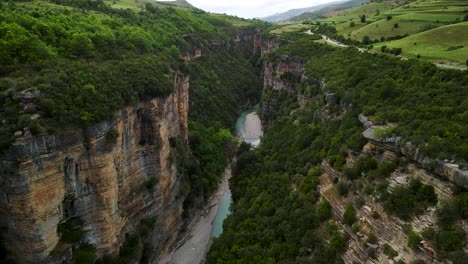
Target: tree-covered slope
<point>73,63</point>
<point>277,215</point>
<point>67,65</point>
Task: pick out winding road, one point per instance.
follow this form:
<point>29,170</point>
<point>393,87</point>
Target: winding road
<point>362,50</point>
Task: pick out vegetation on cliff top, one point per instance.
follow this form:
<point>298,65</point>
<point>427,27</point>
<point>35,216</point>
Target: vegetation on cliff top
<point>427,29</point>
<point>278,182</point>
<point>69,64</point>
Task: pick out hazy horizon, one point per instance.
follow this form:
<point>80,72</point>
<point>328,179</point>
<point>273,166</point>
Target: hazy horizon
<point>253,9</point>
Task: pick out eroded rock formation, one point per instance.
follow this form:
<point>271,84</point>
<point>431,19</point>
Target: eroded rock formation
<point>106,179</point>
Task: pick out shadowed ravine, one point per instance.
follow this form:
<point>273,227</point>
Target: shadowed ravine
<point>195,245</point>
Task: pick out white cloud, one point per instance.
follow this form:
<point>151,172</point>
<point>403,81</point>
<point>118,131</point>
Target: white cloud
<point>253,8</point>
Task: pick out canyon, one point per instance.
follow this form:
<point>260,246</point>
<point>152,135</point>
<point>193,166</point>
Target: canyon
<point>106,182</point>
<point>100,186</point>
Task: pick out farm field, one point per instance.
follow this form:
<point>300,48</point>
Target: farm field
<point>444,44</point>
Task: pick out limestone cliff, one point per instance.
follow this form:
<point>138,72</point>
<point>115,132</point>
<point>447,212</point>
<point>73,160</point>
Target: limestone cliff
<point>105,179</point>
<point>280,77</point>
<point>376,230</point>
<point>450,171</point>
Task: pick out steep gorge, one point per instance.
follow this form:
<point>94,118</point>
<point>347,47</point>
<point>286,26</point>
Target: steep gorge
<point>327,185</point>
<point>124,189</point>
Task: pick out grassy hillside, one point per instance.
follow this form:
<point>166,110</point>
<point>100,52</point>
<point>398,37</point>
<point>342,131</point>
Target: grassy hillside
<point>180,3</point>
<point>444,43</point>
<point>289,28</point>
<point>139,4</point>
<point>411,18</point>
<point>412,22</point>
<point>294,12</point>
<point>328,9</point>
<point>353,14</point>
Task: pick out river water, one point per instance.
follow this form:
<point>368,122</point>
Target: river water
<point>248,129</point>
<point>196,244</point>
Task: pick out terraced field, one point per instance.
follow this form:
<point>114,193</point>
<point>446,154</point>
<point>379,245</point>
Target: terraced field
<point>289,28</point>
<point>408,19</point>
<point>444,44</point>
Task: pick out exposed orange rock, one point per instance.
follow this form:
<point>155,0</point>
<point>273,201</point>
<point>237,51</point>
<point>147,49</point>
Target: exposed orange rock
<point>49,179</point>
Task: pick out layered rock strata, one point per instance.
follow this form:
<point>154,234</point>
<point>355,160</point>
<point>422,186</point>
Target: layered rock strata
<point>110,176</point>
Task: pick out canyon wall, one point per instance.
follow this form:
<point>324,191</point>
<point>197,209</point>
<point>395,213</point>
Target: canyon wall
<point>282,79</point>
<point>446,169</point>
<point>103,181</point>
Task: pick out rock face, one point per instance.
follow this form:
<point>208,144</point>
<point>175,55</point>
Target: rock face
<point>446,170</point>
<point>283,76</point>
<point>110,176</point>
<point>388,229</point>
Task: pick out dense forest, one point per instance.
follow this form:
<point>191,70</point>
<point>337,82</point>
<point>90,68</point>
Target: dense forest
<point>277,214</point>
<point>67,65</point>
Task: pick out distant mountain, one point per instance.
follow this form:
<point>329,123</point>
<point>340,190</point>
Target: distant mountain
<point>181,3</point>
<point>295,12</point>
<point>327,9</point>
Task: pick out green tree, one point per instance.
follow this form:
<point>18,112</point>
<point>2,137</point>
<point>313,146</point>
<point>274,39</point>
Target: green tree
<point>413,240</point>
<point>349,216</point>
<point>80,45</point>
<point>324,210</point>
<point>366,40</point>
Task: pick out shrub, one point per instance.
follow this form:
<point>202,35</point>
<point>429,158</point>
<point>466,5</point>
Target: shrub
<point>150,183</point>
<point>408,201</point>
<point>449,239</point>
<point>366,40</point>
<point>342,189</point>
<point>375,215</point>
<point>352,172</point>
<point>454,48</point>
<point>130,247</point>
<point>413,240</point>
<point>324,210</point>
<point>458,257</point>
<point>336,161</point>
<point>111,136</point>
<point>70,231</point>
<point>372,239</point>
<point>368,189</point>
<point>349,216</point>
<point>360,202</point>
<point>366,164</point>
<point>383,170</point>
<point>389,251</point>
<point>85,254</point>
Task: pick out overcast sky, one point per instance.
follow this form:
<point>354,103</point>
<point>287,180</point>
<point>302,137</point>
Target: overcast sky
<point>253,8</point>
